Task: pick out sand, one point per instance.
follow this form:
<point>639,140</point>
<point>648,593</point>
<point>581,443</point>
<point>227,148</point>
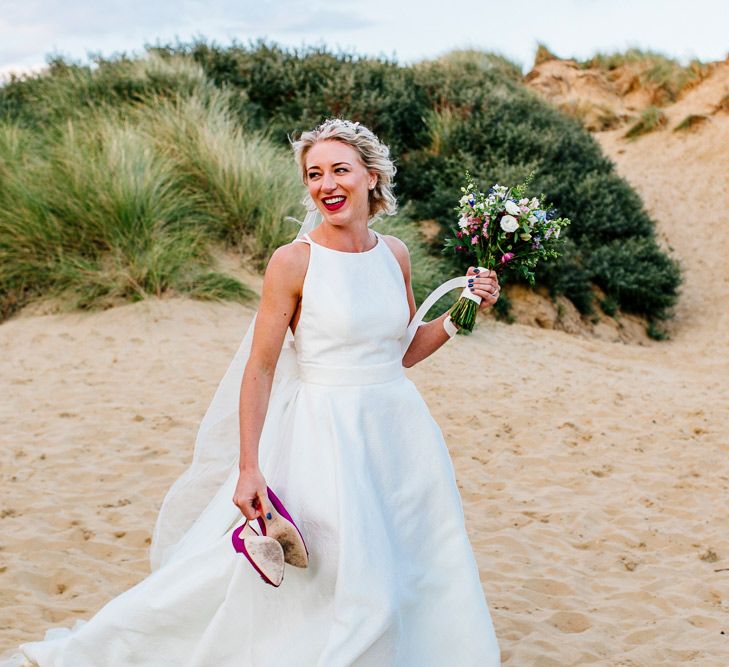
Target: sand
<point>594,474</point>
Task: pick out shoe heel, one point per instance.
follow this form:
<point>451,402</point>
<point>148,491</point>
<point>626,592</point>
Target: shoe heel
<point>264,553</point>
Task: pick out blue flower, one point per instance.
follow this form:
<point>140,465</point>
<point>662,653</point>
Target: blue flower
<point>540,215</point>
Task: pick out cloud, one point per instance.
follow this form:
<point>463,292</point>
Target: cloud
<point>301,16</point>
<point>33,28</point>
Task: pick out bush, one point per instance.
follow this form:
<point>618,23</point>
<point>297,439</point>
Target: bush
<point>568,275</point>
<point>605,209</point>
<point>638,274</point>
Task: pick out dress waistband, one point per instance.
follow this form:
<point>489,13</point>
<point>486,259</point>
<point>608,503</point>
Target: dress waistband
<point>351,375</point>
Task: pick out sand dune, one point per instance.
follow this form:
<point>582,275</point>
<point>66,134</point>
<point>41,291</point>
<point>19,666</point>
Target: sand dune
<point>594,474</point>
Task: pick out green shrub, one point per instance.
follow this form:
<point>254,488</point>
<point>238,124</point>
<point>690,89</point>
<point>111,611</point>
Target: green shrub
<point>605,209</point>
<point>641,277</point>
<point>655,331</point>
<point>568,275</point>
<point>609,306</point>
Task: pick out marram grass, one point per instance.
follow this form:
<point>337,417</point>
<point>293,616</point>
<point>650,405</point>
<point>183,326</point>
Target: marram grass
<point>125,203</point>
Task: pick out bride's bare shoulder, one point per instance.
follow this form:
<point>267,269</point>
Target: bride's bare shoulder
<point>288,263</point>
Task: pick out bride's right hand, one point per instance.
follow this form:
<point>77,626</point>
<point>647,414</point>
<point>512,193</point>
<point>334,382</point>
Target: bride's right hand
<point>251,493</point>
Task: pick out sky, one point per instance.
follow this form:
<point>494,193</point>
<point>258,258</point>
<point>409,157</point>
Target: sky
<point>405,30</point>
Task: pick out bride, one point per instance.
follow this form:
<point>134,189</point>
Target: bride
<point>316,406</point>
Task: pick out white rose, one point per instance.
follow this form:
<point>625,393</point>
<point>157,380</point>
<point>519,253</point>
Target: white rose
<point>463,222</point>
<point>509,223</point>
<point>511,207</point>
<point>534,203</point>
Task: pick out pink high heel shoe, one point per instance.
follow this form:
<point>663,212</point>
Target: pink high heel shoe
<point>280,542</point>
<point>264,554</point>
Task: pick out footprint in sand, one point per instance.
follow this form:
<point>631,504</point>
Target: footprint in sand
<point>549,587</point>
<point>570,621</point>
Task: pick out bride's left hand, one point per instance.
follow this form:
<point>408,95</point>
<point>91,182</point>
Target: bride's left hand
<point>485,284</point>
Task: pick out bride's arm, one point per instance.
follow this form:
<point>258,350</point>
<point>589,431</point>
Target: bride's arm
<point>431,335</point>
<point>282,283</point>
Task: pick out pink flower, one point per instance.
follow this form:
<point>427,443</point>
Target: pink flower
<point>459,234</point>
<point>507,256</point>
<point>474,240</point>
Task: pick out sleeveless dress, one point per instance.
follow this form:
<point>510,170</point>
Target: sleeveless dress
<point>363,468</point>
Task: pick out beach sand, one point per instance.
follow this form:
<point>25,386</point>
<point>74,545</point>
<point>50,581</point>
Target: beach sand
<point>594,474</point>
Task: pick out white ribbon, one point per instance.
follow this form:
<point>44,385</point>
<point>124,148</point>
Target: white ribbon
<point>437,293</point>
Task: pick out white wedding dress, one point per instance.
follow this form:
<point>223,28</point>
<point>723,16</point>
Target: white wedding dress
<point>352,450</point>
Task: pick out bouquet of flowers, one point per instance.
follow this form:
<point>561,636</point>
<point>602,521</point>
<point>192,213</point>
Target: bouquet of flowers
<point>506,232</point>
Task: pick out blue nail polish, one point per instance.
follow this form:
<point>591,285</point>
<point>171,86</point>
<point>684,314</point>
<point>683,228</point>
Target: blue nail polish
<point>268,515</point>
<point>477,270</point>
<point>470,280</point>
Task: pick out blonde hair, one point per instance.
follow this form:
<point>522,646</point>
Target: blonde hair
<point>374,155</point>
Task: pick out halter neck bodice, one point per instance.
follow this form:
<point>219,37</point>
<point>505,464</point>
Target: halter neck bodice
<point>354,307</point>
